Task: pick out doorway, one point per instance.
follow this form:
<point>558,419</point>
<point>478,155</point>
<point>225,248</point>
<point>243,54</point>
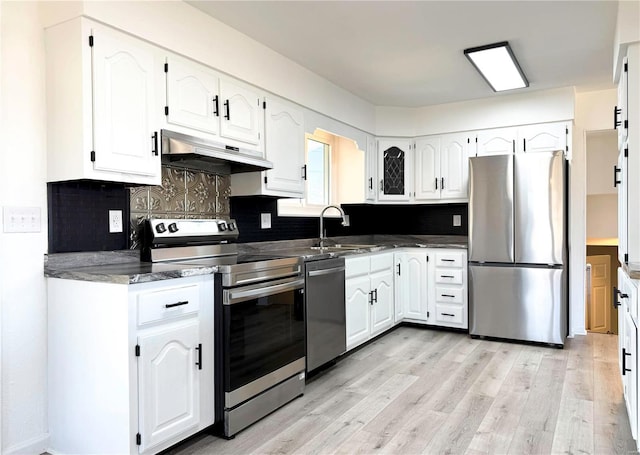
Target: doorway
<point>602,232</point>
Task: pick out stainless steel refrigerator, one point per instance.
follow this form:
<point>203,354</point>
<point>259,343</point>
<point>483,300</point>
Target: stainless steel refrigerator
<point>518,247</point>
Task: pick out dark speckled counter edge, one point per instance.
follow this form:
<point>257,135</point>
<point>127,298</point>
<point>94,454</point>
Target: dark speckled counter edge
<point>124,267</point>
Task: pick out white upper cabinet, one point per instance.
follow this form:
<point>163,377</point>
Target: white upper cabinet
<point>370,170</point>
<point>545,137</point>
<point>102,114</point>
<point>242,113</point>
<point>394,165</point>
<point>200,102</point>
<point>192,98</point>
<point>621,116</point>
<point>427,159</point>
<point>442,167</point>
<point>285,148</point>
<point>497,141</point>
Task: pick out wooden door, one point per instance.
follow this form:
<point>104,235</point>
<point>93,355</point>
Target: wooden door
<point>168,383</point>
<point>600,304</point>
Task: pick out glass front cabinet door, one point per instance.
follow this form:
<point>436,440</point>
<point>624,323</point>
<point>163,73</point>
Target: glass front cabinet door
<point>394,159</point>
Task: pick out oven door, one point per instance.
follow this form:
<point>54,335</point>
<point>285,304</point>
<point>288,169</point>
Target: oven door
<point>263,337</point>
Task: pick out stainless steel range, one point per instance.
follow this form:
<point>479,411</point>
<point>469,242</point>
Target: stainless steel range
<point>259,317</point>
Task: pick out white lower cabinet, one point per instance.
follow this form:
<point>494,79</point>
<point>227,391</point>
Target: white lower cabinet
<point>130,366</point>
<point>413,285</point>
<point>369,296</point>
<point>627,297</point>
<point>450,278</point>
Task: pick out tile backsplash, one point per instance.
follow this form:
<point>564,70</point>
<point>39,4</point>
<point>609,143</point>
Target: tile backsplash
<point>182,194</point>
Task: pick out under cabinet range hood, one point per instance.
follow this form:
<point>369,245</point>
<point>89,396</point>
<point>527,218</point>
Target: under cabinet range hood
<point>201,154</point>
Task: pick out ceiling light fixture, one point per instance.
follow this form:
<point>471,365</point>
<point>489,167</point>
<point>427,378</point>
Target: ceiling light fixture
<point>498,66</point>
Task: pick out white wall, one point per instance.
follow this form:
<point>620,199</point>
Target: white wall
<point>602,154</point>
<point>593,113</point>
<point>491,112</point>
<point>22,183</point>
<point>184,29</point>
<point>602,216</point>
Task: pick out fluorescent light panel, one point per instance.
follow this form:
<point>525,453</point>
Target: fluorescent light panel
<point>499,67</point>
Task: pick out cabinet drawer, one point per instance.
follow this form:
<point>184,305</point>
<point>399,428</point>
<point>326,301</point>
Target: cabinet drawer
<point>453,295</point>
<point>381,262</point>
<point>450,259</point>
<point>451,276</point>
<point>168,303</point>
<point>355,266</point>
<point>449,314</point>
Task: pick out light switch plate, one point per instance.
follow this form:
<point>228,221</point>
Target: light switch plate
<point>115,221</point>
<point>265,220</point>
<point>21,219</point>
<point>457,220</point>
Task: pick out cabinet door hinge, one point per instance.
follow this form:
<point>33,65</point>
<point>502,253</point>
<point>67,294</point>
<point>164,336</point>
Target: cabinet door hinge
<point>90,40</point>
<point>264,105</point>
<point>427,314</point>
<point>166,110</point>
<point>265,179</point>
<point>626,124</point>
<point>626,258</point>
<point>137,350</point>
<point>626,67</point>
<point>626,152</point>
<point>427,258</point>
<point>93,156</point>
<point>166,67</point>
<point>138,439</point>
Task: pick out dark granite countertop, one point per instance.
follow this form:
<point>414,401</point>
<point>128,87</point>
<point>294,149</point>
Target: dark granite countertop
<point>119,267</point>
<point>125,267</point>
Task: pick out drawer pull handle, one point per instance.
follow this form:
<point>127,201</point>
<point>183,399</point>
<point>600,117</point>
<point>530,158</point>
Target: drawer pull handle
<point>447,276</point>
<point>624,361</point>
<point>171,305</point>
<point>448,260</point>
<point>447,295</point>
<point>199,362</point>
<point>448,314</point>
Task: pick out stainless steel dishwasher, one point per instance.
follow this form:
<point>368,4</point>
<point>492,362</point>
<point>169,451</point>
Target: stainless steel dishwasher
<point>325,311</point>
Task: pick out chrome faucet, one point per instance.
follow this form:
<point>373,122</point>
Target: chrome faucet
<point>323,237</point>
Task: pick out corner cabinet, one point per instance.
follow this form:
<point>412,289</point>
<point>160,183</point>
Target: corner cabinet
<point>285,148</point>
<point>413,283</point>
<point>395,157</point>
<point>369,298</point>
<point>131,366</point>
<point>102,114</point>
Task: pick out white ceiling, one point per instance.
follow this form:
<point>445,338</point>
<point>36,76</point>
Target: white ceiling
<point>410,53</point>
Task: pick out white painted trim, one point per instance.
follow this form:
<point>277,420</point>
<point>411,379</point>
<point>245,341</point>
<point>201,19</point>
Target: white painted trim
<point>33,446</point>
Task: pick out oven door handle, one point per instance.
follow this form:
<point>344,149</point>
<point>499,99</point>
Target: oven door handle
<point>239,295</point>
<point>313,273</point>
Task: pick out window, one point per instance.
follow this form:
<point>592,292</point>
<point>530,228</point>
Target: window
<point>318,158</point>
<point>335,175</point>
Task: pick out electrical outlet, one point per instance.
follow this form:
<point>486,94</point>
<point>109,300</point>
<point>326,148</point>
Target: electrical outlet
<point>265,220</point>
<point>457,220</point>
<point>115,221</point>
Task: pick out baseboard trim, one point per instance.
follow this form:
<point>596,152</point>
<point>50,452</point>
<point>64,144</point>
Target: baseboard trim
<point>33,446</point>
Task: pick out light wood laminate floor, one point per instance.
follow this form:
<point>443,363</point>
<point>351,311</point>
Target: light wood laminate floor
<point>417,390</point>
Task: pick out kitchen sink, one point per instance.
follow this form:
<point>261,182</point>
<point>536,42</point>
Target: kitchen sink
<point>343,246</point>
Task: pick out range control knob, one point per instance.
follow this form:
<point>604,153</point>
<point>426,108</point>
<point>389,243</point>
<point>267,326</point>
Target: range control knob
<point>173,227</point>
<point>232,226</point>
<point>222,226</point>
<point>160,228</point>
